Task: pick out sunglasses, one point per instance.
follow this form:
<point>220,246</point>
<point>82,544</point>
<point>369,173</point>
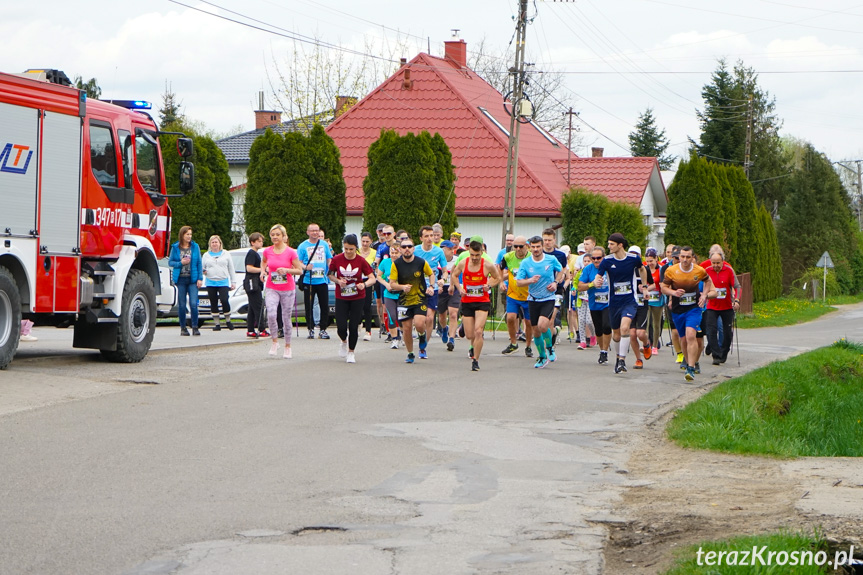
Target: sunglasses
<point>387,233</point>
<point>518,245</point>
<point>406,246</point>
<point>596,257</point>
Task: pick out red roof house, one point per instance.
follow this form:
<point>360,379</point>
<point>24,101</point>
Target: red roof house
<point>443,95</point>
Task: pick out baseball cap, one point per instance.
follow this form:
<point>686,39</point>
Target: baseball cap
<point>476,239</point>
<point>635,250</point>
<point>581,249</point>
<point>447,244</point>
<point>381,227</point>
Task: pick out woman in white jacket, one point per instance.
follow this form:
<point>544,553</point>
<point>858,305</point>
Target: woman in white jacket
<point>221,279</point>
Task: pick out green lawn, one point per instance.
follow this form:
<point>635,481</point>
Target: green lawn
<point>790,311</point>
<point>801,555</point>
<point>809,405</point>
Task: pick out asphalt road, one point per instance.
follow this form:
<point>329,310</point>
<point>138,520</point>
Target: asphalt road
<point>219,459</point>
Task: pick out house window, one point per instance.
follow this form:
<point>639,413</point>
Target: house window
<point>494,120</point>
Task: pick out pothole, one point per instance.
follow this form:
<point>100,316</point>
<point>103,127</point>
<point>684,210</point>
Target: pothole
<point>311,530</point>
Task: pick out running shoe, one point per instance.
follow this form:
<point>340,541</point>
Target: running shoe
<point>654,350</point>
<point>343,349</point>
<point>474,366</point>
<point>551,355</point>
<point>196,331</point>
<point>323,335</point>
<point>367,337</point>
<point>423,354</point>
<point>288,354</point>
<point>540,363</point>
<point>217,327</point>
<point>592,341</point>
<point>229,325</point>
<point>511,348</point>
<point>680,357</point>
<point>311,334</point>
<point>184,331</point>
<point>264,333</point>
<point>620,366</point>
<point>450,345</point>
<point>603,358</point>
<point>520,336</point>
<point>470,352</point>
<point>528,352</point>
<point>410,358</point>
<point>571,336</point>
<point>351,358</point>
<point>697,368</point>
<point>683,365</point>
<point>647,351</point>
<point>394,344</point>
<point>689,375</point>
<point>252,334</point>
<point>444,335</point>
<point>638,364</point>
<point>582,345</point>
<point>717,361</point>
<point>274,348</point>
<point>389,338</point>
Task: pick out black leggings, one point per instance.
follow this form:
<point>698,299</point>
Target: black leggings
<point>217,295</point>
<point>349,314</point>
<point>321,292</point>
<point>367,309</point>
<point>601,321</point>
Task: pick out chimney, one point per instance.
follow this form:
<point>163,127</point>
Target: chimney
<point>343,104</point>
<point>456,50</point>
<point>265,118</point>
<point>596,152</point>
<point>407,84</point>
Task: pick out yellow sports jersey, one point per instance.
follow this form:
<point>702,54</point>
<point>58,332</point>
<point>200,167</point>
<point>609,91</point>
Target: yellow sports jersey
<point>414,274</point>
<point>512,263</point>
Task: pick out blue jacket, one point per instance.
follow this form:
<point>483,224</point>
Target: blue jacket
<point>195,266</point>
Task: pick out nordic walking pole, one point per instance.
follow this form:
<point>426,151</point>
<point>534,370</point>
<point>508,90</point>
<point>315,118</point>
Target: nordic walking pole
<point>737,338</point>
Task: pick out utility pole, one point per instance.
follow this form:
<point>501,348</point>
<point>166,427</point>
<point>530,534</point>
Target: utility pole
<point>859,185</point>
<point>746,162</point>
<point>569,148</point>
<point>517,72</point>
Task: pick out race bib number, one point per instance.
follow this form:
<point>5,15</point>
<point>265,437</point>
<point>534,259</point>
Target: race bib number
<point>601,297</point>
<point>622,288</point>
<point>402,312</point>
<point>689,298</point>
<point>558,300</point>
<point>349,290</point>
<point>278,279</point>
<point>639,298</point>
<point>721,293</point>
<point>653,297</point>
<point>475,291</point>
<point>318,273</point>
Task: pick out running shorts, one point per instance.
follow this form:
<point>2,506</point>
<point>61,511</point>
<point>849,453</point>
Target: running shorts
<point>408,312</point>
<point>514,306</point>
<point>537,309</point>
<point>691,318</point>
<point>431,301</point>
<point>618,313</point>
<point>640,321</point>
<point>469,308</point>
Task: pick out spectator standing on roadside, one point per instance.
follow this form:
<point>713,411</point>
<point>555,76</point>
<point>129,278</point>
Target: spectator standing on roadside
<point>187,275</point>
<point>218,267</point>
<point>279,265</point>
<point>254,288</point>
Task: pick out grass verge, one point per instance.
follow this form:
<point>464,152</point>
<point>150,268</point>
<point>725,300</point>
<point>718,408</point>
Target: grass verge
<point>801,556</point>
<point>809,405</point>
<point>789,311</point>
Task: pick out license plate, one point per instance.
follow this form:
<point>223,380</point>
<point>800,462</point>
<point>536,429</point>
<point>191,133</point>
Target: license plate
<point>203,303</point>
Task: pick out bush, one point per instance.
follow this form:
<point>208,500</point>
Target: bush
<point>583,214</point>
<point>628,220</point>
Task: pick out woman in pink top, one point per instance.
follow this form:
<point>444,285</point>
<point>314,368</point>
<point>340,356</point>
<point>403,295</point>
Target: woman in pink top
<point>279,265</point>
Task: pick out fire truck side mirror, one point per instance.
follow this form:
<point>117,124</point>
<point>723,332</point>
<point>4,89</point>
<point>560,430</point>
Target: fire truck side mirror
<point>184,147</point>
<point>187,177</point>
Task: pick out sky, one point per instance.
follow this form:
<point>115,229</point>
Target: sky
<point>618,57</point>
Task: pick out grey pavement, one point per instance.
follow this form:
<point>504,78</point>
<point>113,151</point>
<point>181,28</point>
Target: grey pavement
<point>228,461</point>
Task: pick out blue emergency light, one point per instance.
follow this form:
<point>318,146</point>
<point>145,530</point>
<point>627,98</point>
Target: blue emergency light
<point>131,104</point>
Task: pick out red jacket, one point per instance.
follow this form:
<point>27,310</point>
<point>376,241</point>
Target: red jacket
<point>723,282</point>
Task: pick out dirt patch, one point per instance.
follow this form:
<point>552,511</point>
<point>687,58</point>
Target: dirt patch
<point>687,496</point>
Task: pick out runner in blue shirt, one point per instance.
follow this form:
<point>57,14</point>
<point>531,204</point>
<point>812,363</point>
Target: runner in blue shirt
<point>315,253</point>
<point>437,262</point>
<point>543,274</point>
<point>597,302</point>
<point>621,268</point>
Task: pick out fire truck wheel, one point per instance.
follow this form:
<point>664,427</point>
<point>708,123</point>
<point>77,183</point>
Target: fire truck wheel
<point>137,323</point>
<point>10,317</point>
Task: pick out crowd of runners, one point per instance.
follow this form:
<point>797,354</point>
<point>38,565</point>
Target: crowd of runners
<point>615,298</point>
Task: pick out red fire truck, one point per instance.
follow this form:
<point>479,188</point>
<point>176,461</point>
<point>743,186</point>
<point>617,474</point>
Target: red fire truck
<point>83,216</point>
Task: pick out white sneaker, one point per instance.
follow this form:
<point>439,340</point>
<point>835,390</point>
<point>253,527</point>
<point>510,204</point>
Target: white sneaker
<point>274,348</point>
<point>368,336</point>
<point>28,338</point>
<point>343,349</point>
<point>351,358</point>
<point>288,353</point>
<point>394,344</point>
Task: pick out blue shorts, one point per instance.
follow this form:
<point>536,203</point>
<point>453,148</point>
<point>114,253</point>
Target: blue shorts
<point>691,318</point>
<point>431,301</point>
<point>513,305</point>
<point>573,301</point>
<point>618,313</point>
